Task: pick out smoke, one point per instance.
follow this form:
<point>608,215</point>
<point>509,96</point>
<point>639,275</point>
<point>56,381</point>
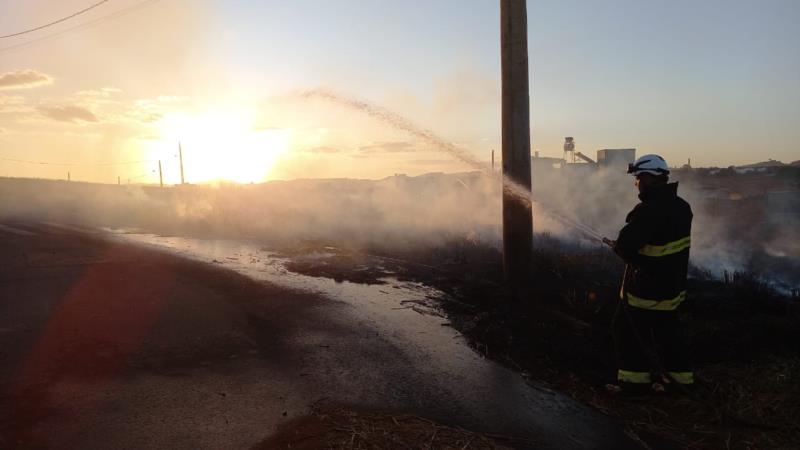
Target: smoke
<point>399,212</point>
<point>744,235</point>
<point>521,193</point>
<point>402,209</point>
<point>574,202</point>
<point>580,199</point>
<point>393,212</point>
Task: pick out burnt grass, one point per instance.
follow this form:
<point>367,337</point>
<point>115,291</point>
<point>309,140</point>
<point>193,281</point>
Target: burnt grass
<point>745,337</point>
<point>338,428</point>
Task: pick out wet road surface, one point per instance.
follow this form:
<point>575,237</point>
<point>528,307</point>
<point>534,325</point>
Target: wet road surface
<point>271,356</point>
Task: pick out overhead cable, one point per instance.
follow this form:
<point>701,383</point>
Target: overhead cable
<point>91,23</point>
<point>31,30</point>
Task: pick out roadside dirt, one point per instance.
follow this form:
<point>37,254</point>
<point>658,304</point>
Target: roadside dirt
<point>339,428</point>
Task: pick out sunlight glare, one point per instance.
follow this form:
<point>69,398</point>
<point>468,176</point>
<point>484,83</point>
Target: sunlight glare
<point>222,146</point>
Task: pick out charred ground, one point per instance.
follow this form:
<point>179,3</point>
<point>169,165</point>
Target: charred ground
<point>744,334</point>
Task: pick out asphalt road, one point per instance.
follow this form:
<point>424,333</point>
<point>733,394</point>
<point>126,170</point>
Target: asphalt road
<point>110,344</point>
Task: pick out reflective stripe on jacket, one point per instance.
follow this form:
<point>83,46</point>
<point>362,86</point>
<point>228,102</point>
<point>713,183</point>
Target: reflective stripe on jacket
<point>655,242</point>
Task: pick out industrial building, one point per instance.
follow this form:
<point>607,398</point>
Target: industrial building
<point>575,162</point>
<point>616,157</point>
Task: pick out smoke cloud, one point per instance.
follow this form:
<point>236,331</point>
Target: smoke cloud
<point>574,202</point>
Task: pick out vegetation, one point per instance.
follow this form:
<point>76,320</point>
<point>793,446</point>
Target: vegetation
<point>745,337</point>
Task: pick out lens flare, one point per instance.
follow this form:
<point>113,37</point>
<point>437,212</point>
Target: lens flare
<point>219,146</point>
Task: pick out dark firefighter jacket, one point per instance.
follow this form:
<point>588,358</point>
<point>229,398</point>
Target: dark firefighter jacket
<point>655,243</point>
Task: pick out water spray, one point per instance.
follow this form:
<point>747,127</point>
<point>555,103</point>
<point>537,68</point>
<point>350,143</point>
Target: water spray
<point>399,122</point>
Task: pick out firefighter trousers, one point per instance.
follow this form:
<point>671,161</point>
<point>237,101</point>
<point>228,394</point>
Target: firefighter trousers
<point>662,332</point>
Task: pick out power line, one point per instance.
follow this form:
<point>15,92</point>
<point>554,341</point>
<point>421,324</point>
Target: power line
<point>91,23</point>
<point>56,21</point>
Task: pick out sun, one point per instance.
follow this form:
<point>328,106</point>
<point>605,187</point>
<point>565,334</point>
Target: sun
<point>222,145</point>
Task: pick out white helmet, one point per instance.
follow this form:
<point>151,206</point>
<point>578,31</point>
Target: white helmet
<point>652,164</point>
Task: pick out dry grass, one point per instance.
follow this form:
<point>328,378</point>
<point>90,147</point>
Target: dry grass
<point>733,406</point>
<point>341,428</point>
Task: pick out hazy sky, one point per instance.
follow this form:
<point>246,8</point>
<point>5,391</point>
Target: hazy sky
<point>715,81</point>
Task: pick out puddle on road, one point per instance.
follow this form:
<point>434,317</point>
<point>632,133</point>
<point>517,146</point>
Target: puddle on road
<point>400,310</point>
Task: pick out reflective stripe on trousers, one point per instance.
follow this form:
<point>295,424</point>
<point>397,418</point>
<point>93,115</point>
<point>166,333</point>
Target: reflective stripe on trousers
<point>670,248</point>
<point>629,376</point>
<point>656,305</point>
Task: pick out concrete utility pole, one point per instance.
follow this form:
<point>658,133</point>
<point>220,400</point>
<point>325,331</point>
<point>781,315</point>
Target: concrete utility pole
<point>517,219</point>
<point>160,175</point>
<point>180,157</point>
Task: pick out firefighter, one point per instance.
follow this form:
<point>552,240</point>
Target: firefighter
<point>654,244</point>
